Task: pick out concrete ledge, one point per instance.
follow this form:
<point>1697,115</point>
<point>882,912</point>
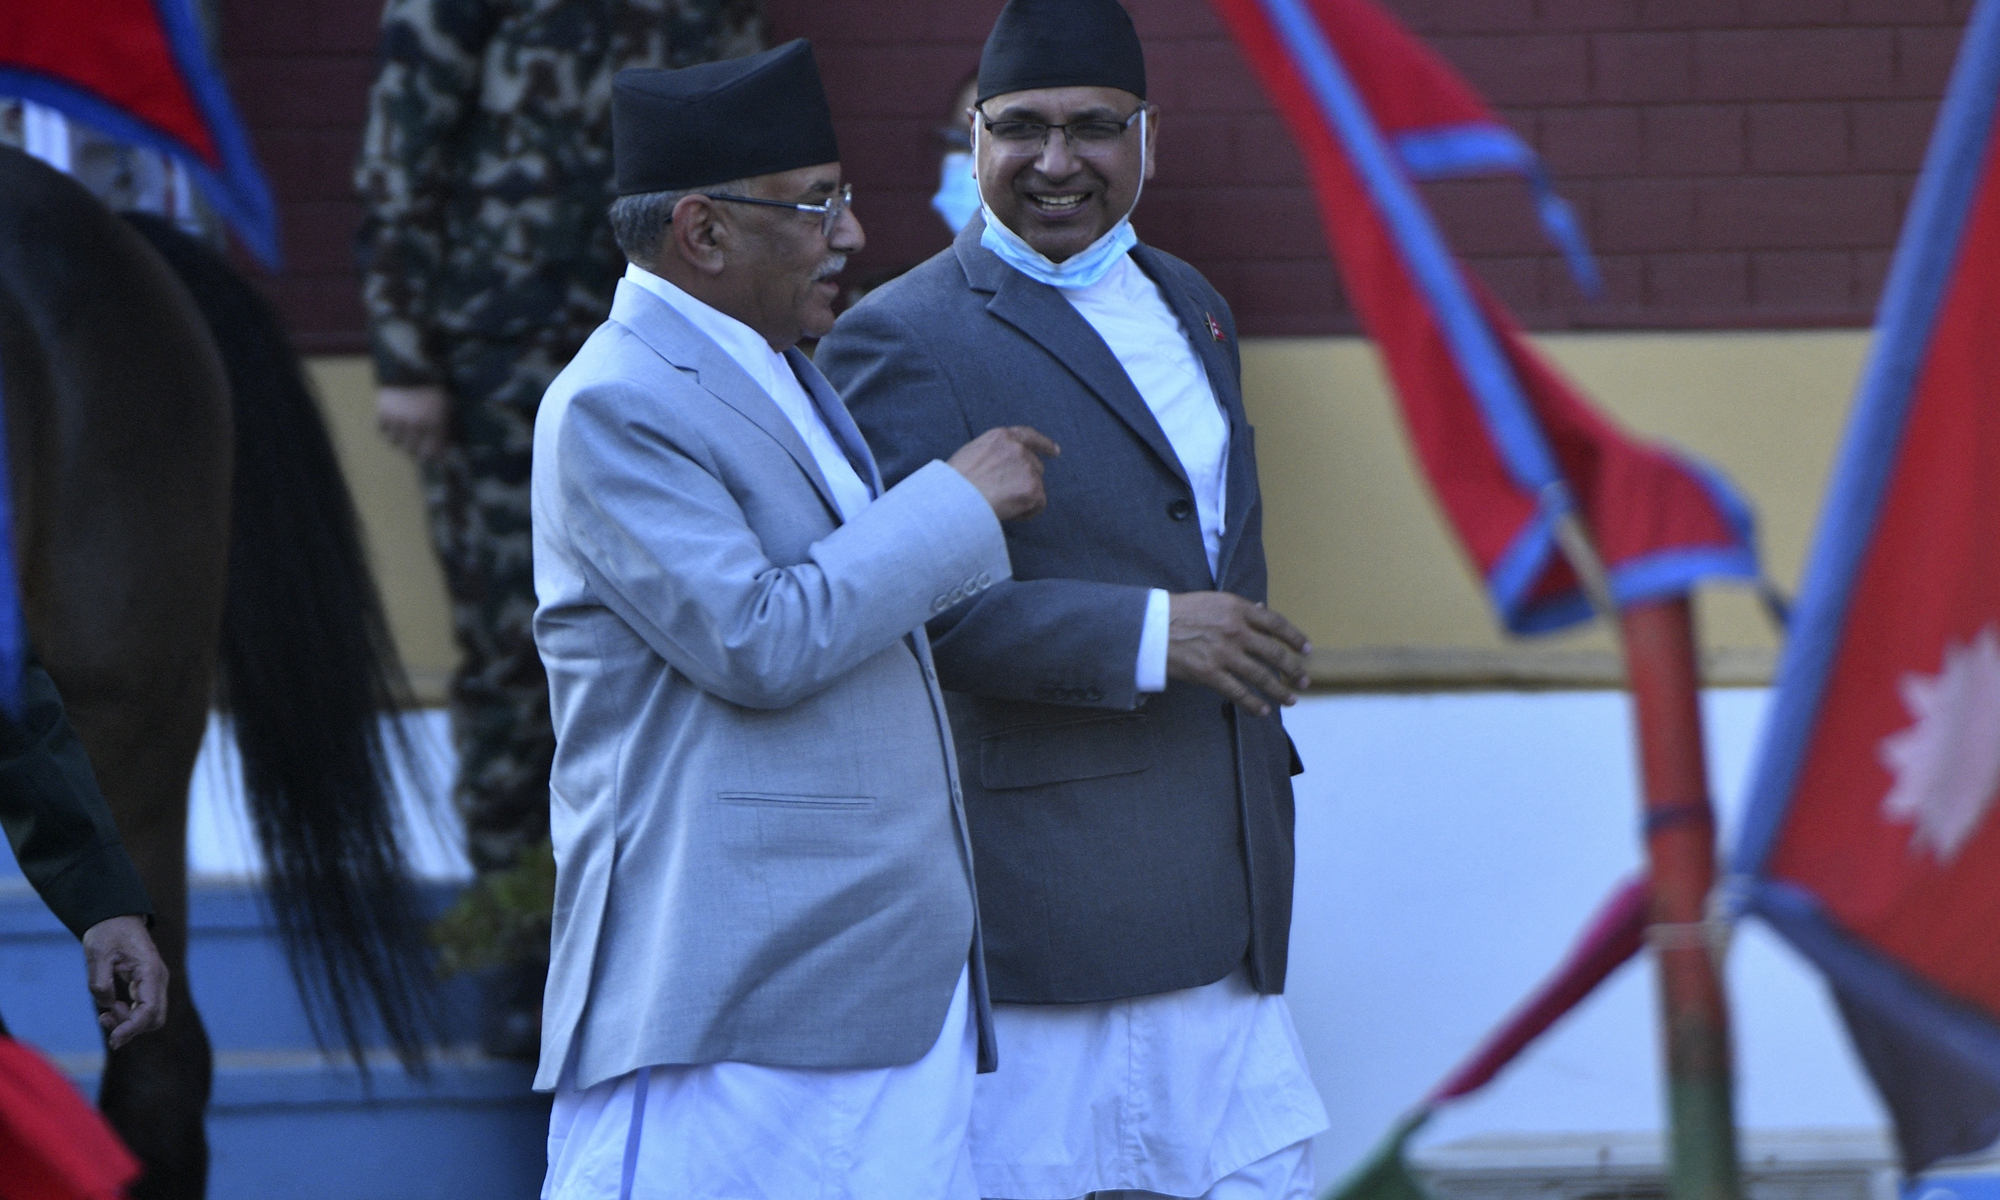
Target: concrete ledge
<point>1470,668</point>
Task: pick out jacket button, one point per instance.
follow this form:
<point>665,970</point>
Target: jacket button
<point>1181,509</point>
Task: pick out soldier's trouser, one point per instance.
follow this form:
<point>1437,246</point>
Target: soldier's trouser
<point>478,500</point>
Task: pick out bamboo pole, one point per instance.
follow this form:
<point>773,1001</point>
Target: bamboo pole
<point>1662,667</point>
<point>1663,670</point>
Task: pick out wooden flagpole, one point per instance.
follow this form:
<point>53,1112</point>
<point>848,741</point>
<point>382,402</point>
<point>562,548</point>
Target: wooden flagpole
<point>1663,671</point>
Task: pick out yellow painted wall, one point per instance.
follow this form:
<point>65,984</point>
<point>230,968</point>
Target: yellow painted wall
<point>1359,557</point>
<point>385,488</point>
<point>1361,560</point>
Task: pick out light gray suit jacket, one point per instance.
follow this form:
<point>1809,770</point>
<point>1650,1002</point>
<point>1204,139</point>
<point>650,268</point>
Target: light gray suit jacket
<point>760,847</point>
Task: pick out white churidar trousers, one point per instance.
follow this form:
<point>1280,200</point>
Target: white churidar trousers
<point>734,1131</point>
<point>1176,1094</point>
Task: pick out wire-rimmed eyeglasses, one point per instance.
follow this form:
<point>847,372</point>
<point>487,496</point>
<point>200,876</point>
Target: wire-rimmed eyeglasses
<point>1087,139</point>
<point>828,213</point>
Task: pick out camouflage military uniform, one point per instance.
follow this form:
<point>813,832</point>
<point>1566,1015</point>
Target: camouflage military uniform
<point>486,261</point>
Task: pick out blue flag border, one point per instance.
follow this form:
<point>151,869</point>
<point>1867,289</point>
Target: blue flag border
<point>1951,1025</point>
<point>239,192</point>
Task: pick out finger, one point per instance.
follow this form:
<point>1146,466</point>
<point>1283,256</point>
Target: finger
<point>122,1027</point>
<point>101,978</point>
<point>1236,690</point>
<point>1266,621</point>
<point>1279,657</point>
<point>146,1012</point>
<point>1034,439</point>
<point>1262,679</point>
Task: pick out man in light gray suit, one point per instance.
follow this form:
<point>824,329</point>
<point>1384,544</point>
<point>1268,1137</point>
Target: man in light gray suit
<point>765,979</point>
<point>1115,703</point>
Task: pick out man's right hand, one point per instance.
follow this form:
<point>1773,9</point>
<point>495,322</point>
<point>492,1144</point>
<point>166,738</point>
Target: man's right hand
<point>127,979</point>
<point>1005,464</point>
<point>415,419</point>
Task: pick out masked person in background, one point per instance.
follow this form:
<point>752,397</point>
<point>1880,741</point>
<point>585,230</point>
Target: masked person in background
<point>1115,704</point>
<point>957,198</point>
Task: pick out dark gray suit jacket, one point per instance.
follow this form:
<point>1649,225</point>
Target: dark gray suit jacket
<point>1125,844</point>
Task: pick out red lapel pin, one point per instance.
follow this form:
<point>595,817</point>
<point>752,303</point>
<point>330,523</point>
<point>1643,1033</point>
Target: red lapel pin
<point>1214,330</point>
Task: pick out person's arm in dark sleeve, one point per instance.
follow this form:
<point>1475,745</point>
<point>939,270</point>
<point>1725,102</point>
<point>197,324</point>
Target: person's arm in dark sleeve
<point>64,839</point>
<point>1053,641</point>
<point>56,818</point>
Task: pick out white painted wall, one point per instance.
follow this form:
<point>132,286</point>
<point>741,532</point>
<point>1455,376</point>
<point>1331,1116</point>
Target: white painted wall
<point>1450,849</point>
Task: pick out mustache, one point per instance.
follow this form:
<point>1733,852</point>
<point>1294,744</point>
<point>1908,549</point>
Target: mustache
<point>831,267</point>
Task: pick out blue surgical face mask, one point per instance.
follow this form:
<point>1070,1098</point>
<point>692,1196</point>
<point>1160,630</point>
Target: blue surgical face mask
<point>958,192</point>
<point>1081,269</point>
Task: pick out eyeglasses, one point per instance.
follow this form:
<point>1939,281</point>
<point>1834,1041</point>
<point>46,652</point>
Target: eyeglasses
<point>828,213</point>
<point>1086,139</point>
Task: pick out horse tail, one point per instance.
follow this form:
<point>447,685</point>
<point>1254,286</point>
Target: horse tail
<point>308,674</point>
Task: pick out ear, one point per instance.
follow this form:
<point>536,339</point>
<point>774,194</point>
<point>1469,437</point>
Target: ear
<point>1152,139</point>
<point>699,235</point>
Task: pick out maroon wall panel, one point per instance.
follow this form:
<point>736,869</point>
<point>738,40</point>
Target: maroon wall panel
<point>299,70</point>
<point>1736,162</point>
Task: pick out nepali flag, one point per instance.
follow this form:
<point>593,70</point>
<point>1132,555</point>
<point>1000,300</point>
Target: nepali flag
<point>138,71</point>
<point>1870,842</point>
<point>1515,455</point>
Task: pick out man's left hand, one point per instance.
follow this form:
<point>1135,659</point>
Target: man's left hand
<point>1241,649</point>
<point>128,980</point>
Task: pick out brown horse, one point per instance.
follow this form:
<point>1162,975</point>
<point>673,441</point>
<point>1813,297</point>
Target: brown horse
<point>184,538</point>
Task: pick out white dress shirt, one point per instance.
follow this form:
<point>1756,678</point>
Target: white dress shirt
<point>1129,313</point>
<point>768,370</point>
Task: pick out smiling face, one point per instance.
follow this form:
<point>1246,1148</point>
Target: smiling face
<point>788,265</point>
<point>1058,201</point>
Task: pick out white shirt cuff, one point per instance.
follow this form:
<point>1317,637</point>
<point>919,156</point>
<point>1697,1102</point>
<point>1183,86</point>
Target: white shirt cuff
<point>1152,670</point>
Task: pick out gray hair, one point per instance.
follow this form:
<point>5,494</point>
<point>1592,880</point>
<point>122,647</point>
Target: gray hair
<point>640,221</point>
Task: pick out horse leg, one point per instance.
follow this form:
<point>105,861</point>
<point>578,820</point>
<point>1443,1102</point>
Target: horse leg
<point>155,1089</point>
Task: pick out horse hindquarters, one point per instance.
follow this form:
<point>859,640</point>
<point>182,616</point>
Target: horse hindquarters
<point>119,438</point>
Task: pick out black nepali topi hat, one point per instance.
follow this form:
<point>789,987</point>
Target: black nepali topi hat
<point>1062,43</point>
<point>719,121</point>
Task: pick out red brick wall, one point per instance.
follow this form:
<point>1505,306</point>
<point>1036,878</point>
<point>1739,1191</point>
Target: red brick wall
<point>299,70</point>
<point>1736,162</point>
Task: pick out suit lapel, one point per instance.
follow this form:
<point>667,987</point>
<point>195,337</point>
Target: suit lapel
<point>1040,312</point>
<point>838,422</point>
<point>675,339</point>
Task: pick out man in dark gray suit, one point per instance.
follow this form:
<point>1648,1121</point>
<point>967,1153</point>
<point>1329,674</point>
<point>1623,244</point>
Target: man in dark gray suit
<point>1114,705</point>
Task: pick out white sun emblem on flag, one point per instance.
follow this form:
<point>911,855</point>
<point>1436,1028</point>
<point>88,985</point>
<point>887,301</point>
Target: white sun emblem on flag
<point>1947,764</point>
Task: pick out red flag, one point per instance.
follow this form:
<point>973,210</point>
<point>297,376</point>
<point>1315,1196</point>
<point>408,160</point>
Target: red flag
<point>1510,448</point>
<point>1870,836</point>
<point>139,71</point>
<point>53,1145</point>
